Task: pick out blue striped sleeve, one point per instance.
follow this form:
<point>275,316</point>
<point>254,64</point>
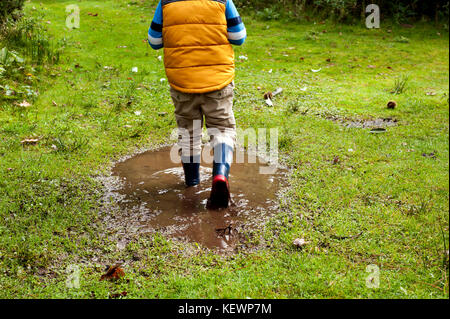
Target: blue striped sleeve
<point>235,27</point>
<point>155,32</point>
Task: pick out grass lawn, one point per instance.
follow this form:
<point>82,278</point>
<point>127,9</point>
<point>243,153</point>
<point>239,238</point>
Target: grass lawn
<point>360,199</point>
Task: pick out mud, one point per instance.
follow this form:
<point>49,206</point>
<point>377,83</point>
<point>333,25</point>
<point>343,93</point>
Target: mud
<point>372,123</point>
<point>150,191</point>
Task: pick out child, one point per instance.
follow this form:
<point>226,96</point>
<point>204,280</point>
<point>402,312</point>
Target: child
<point>196,36</point>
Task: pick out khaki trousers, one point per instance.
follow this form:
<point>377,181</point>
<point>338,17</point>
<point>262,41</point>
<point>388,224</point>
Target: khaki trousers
<point>214,108</point>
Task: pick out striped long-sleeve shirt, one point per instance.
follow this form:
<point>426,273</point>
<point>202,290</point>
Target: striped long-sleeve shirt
<point>235,27</point>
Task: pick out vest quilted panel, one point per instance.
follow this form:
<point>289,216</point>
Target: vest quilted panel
<point>197,55</point>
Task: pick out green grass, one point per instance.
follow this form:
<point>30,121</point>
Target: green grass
<point>385,189</point>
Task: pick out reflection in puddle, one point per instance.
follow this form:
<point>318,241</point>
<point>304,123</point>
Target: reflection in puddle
<point>155,185</point>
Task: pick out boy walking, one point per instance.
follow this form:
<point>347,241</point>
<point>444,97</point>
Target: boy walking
<point>199,61</point>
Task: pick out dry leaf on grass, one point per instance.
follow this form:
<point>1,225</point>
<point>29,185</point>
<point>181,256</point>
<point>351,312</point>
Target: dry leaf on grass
<point>113,273</point>
<point>30,141</point>
<point>25,104</point>
<point>300,242</point>
<point>118,295</point>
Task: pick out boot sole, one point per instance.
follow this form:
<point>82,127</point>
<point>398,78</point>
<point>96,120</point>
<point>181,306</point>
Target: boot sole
<point>220,193</point>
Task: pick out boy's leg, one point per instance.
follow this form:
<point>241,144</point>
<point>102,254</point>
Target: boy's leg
<point>218,110</point>
<point>189,120</point>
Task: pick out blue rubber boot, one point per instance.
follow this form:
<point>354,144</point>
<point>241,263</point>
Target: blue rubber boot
<point>191,167</point>
<point>220,191</point>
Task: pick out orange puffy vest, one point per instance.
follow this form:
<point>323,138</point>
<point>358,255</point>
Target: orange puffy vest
<point>197,55</point>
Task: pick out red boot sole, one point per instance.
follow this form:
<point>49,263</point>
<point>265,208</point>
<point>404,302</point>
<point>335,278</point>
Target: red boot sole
<point>220,193</point>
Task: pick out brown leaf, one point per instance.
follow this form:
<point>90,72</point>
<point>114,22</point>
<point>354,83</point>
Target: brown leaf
<point>92,14</point>
<point>268,95</point>
<point>118,295</point>
<point>113,273</point>
<point>336,160</point>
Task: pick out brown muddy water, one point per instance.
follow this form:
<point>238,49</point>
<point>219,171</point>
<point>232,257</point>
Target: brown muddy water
<point>152,196</point>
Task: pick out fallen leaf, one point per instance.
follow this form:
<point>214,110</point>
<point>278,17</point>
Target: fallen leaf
<point>371,66</point>
<point>431,93</point>
<point>300,242</point>
<point>30,141</point>
<point>92,14</point>
<point>277,91</point>
<point>54,103</point>
<point>268,95</point>
<point>118,295</point>
<point>336,160</point>
<point>113,273</point>
<point>25,104</point>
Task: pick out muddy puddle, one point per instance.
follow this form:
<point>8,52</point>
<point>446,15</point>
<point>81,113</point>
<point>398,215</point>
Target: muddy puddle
<point>153,197</point>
